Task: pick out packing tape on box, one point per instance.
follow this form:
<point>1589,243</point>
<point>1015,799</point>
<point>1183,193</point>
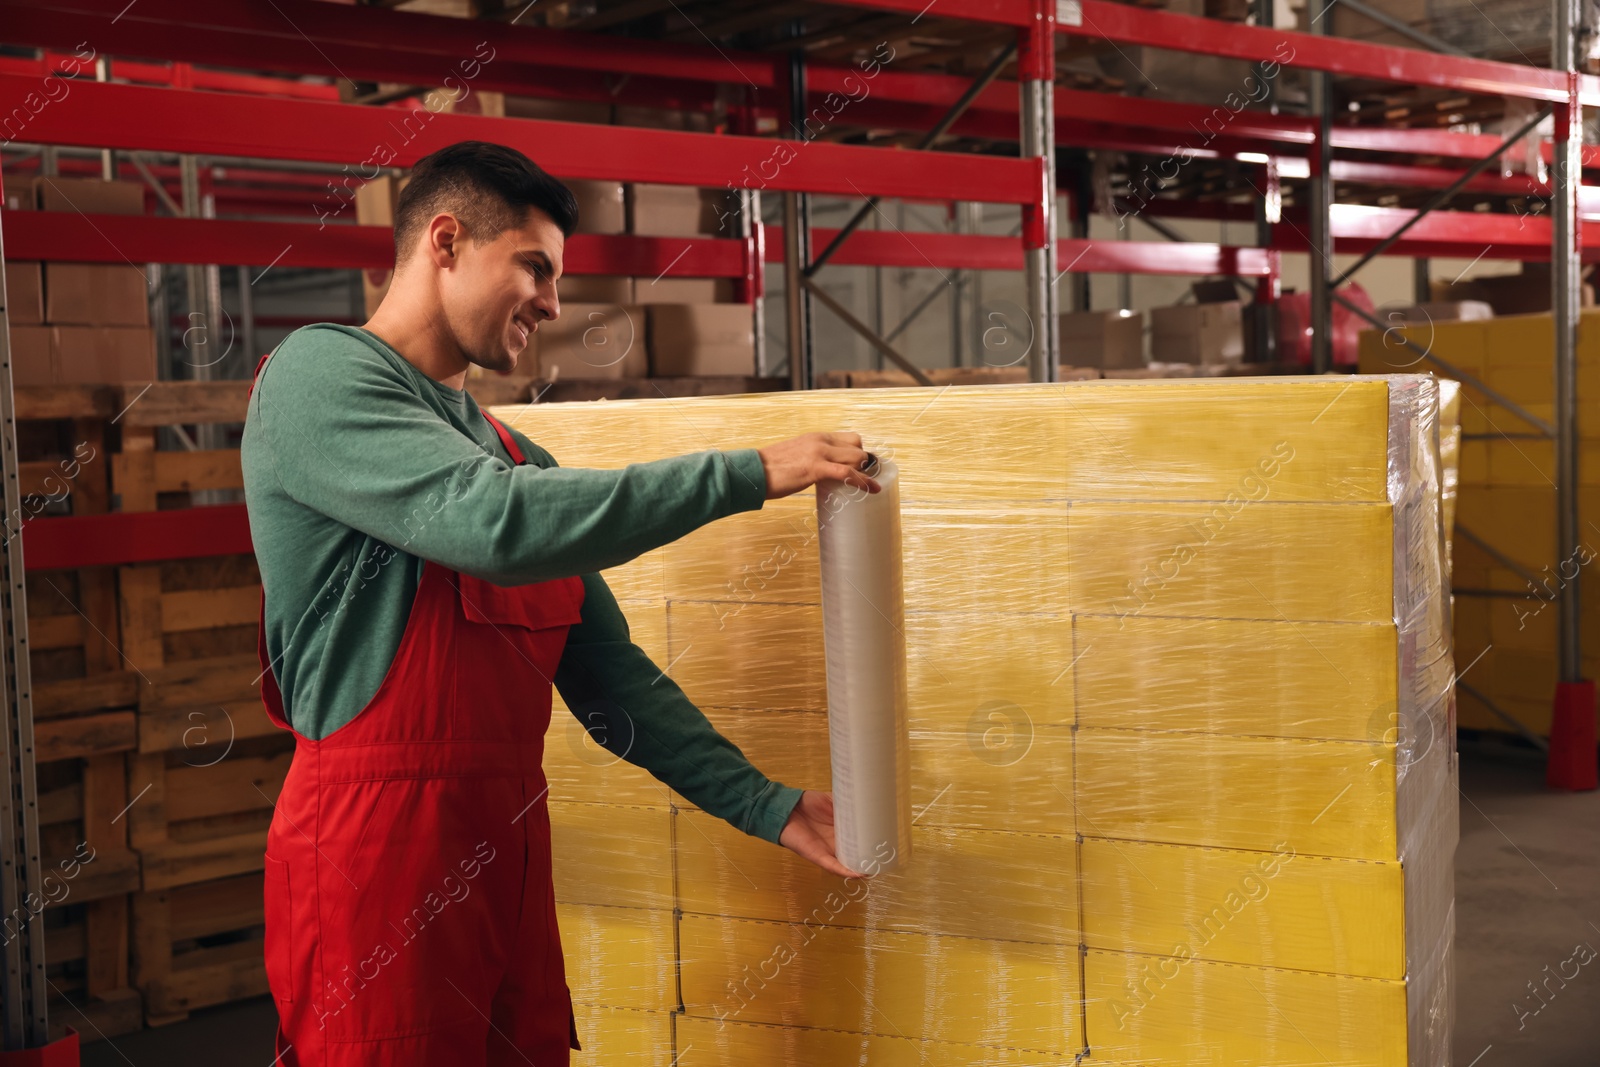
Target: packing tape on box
<point>863,629</point>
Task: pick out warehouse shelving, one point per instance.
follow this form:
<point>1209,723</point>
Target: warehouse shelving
<point>168,99</point>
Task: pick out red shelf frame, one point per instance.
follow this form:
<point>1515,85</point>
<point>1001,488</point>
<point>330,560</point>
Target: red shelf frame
<point>181,108</point>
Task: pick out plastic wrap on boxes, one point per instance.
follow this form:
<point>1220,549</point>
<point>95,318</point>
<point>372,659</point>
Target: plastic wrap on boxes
<point>1180,717</point>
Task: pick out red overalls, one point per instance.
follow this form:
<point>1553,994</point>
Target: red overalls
<point>410,917</point>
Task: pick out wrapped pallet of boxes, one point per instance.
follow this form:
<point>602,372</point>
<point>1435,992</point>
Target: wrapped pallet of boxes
<point>1180,739</point>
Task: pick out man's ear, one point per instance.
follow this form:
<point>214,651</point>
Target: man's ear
<point>444,238</point>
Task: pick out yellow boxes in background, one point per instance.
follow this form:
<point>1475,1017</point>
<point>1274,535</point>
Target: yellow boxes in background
<point>1505,498</point>
<point>1172,775</point>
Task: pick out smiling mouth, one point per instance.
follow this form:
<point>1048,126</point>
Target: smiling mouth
<point>526,328</point>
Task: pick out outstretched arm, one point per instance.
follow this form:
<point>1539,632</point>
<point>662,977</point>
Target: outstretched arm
<point>352,431</point>
<point>637,713</point>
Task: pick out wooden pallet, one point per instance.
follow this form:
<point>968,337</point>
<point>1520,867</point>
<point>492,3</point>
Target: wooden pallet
<point>84,719</point>
<point>199,945</point>
<point>208,763</point>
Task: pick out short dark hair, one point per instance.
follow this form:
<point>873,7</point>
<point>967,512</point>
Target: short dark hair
<point>489,187</point>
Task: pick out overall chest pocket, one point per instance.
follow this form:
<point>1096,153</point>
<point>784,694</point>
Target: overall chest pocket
<point>515,634</point>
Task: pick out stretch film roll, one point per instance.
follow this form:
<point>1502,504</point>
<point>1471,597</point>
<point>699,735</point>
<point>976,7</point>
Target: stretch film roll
<point>863,619</point>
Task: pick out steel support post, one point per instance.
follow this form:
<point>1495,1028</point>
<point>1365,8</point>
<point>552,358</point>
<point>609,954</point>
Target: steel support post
<point>750,229</point>
<point>1565,273</point>
<point>108,158</point>
<point>1263,310</point>
<point>197,320</point>
<point>797,244</point>
<point>247,315</point>
<point>1321,206</point>
<point>24,993</point>
<point>1421,280</point>
<point>1036,75</point>
<point>797,298</point>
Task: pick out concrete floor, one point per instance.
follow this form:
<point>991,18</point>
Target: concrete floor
<point>1527,895</point>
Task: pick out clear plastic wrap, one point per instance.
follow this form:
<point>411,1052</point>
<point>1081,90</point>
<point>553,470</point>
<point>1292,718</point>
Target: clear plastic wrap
<point>1181,739</point>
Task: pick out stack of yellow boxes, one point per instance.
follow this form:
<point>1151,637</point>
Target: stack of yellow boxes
<point>1508,501</point>
<point>1182,772</point>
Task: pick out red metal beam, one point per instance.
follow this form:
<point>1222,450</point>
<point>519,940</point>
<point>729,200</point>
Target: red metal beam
<point>137,117</point>
<point>1436,143</point>
<point>1231,40</point>
<point>375,44</point>
<point>135,537</point>
<point>1126,24</point>
<point>941,251</point>
<point>1462,234</point>
<point>167,74</point>
<point>381,45</point>
<point>136,239</point>
<point>1161,257</point>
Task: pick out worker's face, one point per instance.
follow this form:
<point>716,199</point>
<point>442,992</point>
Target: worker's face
<point>500,287</point>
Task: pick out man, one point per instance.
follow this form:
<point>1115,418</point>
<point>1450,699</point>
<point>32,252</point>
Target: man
<point>427,574</point>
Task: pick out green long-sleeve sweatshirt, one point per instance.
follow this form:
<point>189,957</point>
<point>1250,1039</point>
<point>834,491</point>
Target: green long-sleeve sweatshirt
<point>358,464</point>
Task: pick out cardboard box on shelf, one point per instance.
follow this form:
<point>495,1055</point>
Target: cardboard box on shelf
<point>375,202</point>
<point>1197,333</point>
<point>1105,339</point>
<point>1440,311</point>
<point>592,341</point>
<point>677,211</point>
<point>690,340</point>
<point>602,206</point>
<point>683,290</point>
<point>20,196</point>
<point>25,292</point>
<point>529,107</point>
<point>1350,23</point>
<point>95,294</point>
<point>663,119</point>
<point>595,289</point>
<point>94,355</point>
<point>30,356</point>
<point>90,196</point>
<point>1509,294</point>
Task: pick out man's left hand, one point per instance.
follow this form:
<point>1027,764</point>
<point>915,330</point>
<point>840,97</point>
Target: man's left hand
<point>809,832</point>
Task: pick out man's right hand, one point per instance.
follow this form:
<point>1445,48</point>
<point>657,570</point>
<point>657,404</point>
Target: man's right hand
<point>810,458</point>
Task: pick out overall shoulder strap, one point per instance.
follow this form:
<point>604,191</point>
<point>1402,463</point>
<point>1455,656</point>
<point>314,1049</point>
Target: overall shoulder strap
<point>506,439</point>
